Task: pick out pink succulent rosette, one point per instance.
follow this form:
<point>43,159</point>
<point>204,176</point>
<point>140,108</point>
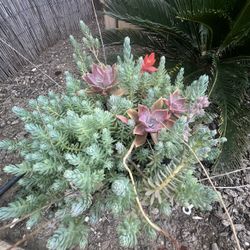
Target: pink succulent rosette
<point>102,78</point>
<point>176,104</point>
<point>148,121</point>
<point>198,107</point>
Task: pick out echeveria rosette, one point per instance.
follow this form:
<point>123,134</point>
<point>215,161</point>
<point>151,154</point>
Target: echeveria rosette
<point>102,79</point>
<point>148,121</point>
<point>176,104</point>
<point>148,63</point>
<point>198,107</point>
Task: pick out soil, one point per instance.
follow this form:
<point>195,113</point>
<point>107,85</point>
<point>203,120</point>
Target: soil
<point>198,231</point>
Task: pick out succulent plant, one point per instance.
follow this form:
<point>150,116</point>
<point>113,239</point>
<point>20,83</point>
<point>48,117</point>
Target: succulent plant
<point>81,162</point>
<point>148,62</point>
<point>148,121</point>
<point>176,104</point>
<point>198,107</point>
<point>102,79</point>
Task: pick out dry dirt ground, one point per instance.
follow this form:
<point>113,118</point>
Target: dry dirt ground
<point>197,231</point>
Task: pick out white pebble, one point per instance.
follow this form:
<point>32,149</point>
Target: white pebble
<point>16,219</point>
<point>197,218</point>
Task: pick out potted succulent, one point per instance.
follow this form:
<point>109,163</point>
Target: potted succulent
<point>123,138</point>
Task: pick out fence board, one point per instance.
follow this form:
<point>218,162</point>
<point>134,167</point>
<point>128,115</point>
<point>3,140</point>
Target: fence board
<point>30,26</point>
<point>112,23</point>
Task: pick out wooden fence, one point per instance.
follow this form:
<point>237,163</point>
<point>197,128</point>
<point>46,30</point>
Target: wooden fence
<point>112,23</point>
<point>30,26</point>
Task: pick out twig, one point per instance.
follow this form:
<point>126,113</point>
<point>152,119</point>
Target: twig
<point>100,32</point>
<point>156,227</point>
<point>13,223</point>
<point>28,215</point>
<point>137,168</point>
<point>26,59</point>
<point>219,175</point>
<point>232,187</point>
<point>95,55</point>
<point>219,194</point>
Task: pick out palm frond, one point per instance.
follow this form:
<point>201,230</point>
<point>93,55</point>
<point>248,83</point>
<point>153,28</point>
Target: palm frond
<point>157,11</point>
<point>140,37</point>
<point>211,14</point>
<point>204,5</point>
<point>242,60</point>
<point>150,42</point>
<point>237,133</point>
<point>229,93</point>
<point>155,16</point>
<point>162,30</point>
<point>240,30</point>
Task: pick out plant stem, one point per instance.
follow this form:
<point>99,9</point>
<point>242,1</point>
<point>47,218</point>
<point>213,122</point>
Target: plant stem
<point>26,59</point>
<point>219,194</point>
<point>100,32</point>
<point>153,225</point>
<point>225,174</point>
<point>26,237</point>
<point>138,169</point>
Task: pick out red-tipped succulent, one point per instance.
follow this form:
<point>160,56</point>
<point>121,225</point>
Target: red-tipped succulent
<point>148,63</point>
<point>148,121</point>
<point>102,78</point>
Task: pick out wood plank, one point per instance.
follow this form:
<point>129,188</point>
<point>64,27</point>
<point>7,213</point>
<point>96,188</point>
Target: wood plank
<point>110,23</point>
<point>122,25</point>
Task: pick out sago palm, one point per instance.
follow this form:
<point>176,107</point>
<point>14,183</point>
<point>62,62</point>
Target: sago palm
<point>205,36</point>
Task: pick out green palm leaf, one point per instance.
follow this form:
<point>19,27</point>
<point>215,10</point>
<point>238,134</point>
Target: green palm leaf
<point>157,17</point>
<point>157,11</point>
<point>149,42</point>
<point>229,93</point>
<point>212,14</point>
<point>240,29</point>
